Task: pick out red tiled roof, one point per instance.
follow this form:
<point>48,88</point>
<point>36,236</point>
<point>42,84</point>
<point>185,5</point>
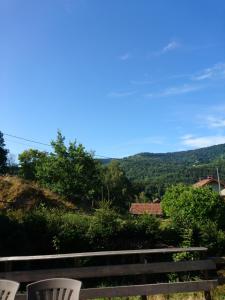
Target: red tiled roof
<point>207,181</point>
<point>148,208</point>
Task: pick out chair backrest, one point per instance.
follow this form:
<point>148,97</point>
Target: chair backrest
<point>8,289</point>
<point>54,289</point>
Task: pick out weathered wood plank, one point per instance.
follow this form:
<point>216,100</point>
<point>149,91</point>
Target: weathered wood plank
<point>106,271</point>
<point>219,260</point>
<point>149,289</point>
<point>101,253</point>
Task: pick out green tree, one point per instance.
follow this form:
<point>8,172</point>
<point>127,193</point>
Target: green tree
<point>29,159</point>
<point>142,198</point>
<point>188,206</point>
<point>70,171</point>
<point>12,166</point>
<point>117,187</point>
<point>3,155</point>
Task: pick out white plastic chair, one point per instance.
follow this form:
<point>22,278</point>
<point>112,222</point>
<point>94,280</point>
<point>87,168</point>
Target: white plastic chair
<point>54,289</point>
<point>8,289</point>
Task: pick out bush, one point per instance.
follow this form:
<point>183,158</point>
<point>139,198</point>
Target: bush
<point>12,236</point>
<point>71,233</point>
<point>188,206</point>
<point>105,226</point>
<point>38,238</point>
<point>213,238</point>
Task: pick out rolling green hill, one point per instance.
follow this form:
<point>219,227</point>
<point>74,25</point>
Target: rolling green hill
<point>159,170</point>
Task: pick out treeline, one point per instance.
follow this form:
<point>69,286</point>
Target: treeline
<point>74,174</point>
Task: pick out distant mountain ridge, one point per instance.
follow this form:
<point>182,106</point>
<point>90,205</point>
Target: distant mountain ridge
<point>205,154</point>
<point>163,169</point>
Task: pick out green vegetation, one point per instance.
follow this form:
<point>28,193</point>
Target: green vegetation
<point>198,216</point>
<point>69,171</point>
<point>29,160</point>
<point>73,173</point>
<point>48,230</point>
<point>154,172</point>
<point>186,205</point>
<point>86,203</point>
<point>44,230</point>
<point>3,155</point>
<point>115,186</point>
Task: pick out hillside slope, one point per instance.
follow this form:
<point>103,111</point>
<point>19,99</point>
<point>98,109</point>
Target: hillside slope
<point>175,167</point>
<point>17,193</point>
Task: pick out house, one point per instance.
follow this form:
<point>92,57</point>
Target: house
<point>146,208</point>
<point>210,182</point>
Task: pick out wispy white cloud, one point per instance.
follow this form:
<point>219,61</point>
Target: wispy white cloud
<point>215,122</point>
<point>161,79</point>
<point>125,56</point>
<point>186,88</point>
<point>203,141</point>
<point>171,46</point>
<point>215,72</point>
<point>120,94</point>
<point>173,91</point>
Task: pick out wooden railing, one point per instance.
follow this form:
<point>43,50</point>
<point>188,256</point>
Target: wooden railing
<point>144,266</point>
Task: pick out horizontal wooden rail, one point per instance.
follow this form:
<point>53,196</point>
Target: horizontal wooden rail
<point>219,260</point>
<point>142,268</point>
<point>101,253</point>
<point>111,270</point>
<point>147,289</point>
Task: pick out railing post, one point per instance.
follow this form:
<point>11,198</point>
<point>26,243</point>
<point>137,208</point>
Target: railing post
<point>143,260</point>
<point>207,294</point>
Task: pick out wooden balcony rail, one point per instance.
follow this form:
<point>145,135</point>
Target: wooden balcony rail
<point>142,268</point>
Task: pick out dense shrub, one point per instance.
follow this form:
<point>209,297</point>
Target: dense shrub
<point>45,230</point>
<point>12,236</point>
<point>212,238</point>
<point>188,206</point>
<point>71,235</point>
<point>105,226</point>
<point>38,237</point>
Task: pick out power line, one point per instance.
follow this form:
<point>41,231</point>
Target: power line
<point>22,143</point>
<point>27,140</point>
<point>43,144</point>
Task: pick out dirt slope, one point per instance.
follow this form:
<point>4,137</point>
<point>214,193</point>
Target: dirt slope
<point>17,193</point>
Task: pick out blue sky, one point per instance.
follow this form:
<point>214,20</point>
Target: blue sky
<point>121,77</point>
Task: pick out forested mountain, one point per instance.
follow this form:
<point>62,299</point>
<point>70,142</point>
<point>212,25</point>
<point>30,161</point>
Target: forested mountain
<point>158,170</point>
